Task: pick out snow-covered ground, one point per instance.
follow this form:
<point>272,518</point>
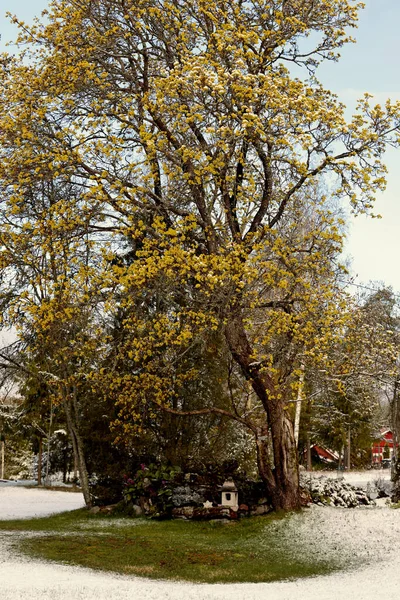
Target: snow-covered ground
<point>21,503</point>
<point>351,535</point>
<point>357,478</point>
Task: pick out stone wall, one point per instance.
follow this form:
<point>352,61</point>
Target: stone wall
<point>199,501</point>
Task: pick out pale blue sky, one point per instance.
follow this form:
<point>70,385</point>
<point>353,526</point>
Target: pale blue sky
<point>370,65</point>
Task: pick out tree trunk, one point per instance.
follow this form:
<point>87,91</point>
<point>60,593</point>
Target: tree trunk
<point>395,475</point>
<point>341,454</point>
<point>298,406</point>
<point>348,462</point>
<point>282,478</point>
<point>309,464</point>
<point>77,444</point>
<point>65,461</point>
<point>2,459</point>
<point>76,465</point>
<point>74,453</point>
<point>49,434</point>
<point>40,458</point>
<point>287,493</point>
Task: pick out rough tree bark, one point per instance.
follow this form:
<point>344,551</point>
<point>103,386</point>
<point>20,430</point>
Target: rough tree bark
<point>276,439</point>
<point>78,449</point>
<point>395,409</point>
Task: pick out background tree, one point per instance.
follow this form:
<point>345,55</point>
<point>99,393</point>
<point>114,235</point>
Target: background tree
<point>51,294</point>
<point>347,392</point>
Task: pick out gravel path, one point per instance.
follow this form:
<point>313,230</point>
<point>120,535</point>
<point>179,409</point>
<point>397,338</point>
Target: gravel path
<point>354,535</point>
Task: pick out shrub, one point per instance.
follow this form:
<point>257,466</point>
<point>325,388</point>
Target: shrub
<point>106,490</point>
<point>152,488</point>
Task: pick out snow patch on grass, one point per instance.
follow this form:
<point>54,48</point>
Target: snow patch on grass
<point>342,537</point>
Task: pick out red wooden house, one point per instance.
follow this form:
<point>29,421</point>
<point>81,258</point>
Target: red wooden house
<point>382,446</point>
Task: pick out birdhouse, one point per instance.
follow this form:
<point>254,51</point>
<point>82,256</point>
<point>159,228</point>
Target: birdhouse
<point>230,495</point>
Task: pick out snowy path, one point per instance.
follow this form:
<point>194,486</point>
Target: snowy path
<point>369,533</point>
<point>22,503</point>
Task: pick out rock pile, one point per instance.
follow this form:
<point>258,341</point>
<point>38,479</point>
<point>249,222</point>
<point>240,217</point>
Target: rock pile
<point>334,492</point>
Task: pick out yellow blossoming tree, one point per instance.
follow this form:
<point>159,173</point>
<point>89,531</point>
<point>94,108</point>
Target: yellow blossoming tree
<point>185,121</point>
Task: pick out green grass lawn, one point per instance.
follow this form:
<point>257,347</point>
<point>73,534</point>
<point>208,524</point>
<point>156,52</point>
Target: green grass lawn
<point>246,551</point>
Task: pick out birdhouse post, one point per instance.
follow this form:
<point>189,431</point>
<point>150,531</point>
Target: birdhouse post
<point>229,495</point>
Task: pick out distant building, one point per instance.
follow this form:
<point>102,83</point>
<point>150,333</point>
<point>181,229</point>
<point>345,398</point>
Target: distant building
<point>382,446</point>
<point>320,454</point>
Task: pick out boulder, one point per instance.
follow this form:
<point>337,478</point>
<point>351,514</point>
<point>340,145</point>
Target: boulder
<point>184,512</point>
<point>185,495</point>
<point>137,510</point>
<point>261,509</point>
